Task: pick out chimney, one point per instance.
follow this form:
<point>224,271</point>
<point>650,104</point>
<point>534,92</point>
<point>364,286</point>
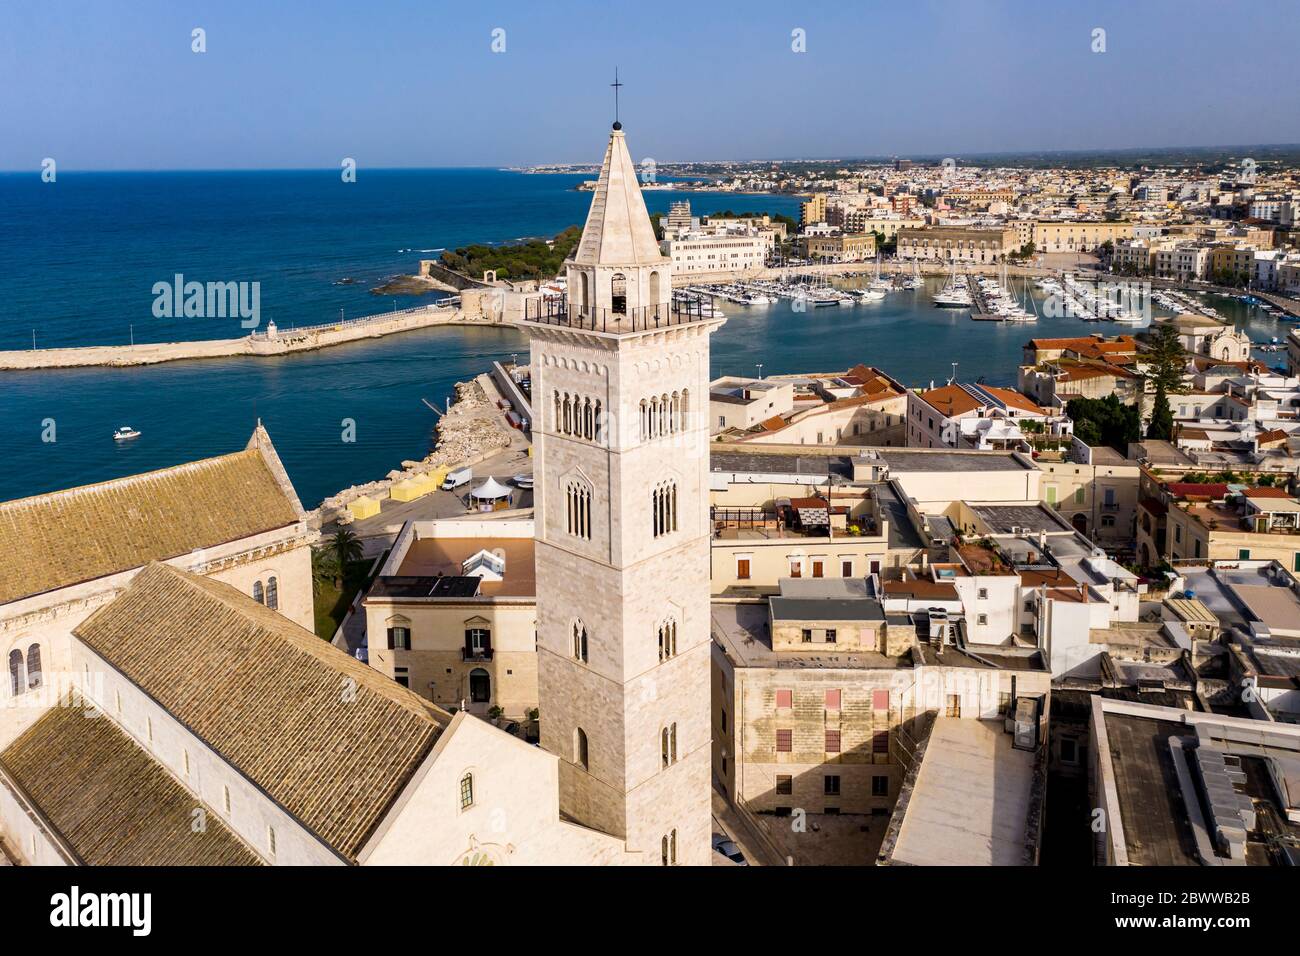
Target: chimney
<point>1042,538</point>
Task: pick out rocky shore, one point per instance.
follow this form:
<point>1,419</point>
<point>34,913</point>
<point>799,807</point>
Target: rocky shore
<point>471,430</point>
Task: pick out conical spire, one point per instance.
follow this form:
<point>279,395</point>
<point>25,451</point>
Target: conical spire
<point>618,230</point>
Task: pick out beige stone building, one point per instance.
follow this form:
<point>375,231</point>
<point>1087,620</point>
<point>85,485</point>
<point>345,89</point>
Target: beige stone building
<point>622,534</point>
<point>973,244</point>
<point>840,248</point>
<point>201,728</point>
<point>1051,235</point>
<point>452,614</point>
<point>235,518</point>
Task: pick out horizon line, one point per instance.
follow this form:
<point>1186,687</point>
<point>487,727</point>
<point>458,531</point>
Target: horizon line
<point>506,167</point>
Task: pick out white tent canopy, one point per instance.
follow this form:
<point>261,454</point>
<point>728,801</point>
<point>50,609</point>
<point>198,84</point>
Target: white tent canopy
<point>490,490</point>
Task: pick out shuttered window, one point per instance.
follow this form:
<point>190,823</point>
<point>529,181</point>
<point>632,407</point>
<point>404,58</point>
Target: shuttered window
<point>784,741</point>
<point>832,700</point>
<point>785,699</point>
<point>832,741</point>
<point>880,742</point>
<point>880,700</point>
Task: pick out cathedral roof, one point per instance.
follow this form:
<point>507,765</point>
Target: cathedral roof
<point>327,737</point>
<point>79,534</point>
<point>618,230</point>
<point>110,802</point>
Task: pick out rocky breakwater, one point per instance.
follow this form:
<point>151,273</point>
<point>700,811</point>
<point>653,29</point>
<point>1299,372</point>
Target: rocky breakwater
<point>473,428</point>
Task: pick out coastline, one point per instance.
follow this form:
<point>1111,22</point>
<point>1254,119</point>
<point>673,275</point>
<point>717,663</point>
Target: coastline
<point>275,342</point>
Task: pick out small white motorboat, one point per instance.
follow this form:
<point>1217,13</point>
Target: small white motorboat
<point>124,433</point>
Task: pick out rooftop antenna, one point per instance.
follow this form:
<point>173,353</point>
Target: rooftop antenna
<point>954,373</point>
<point>616,84</point>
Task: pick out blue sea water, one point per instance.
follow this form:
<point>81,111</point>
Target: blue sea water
<point>79,258</point>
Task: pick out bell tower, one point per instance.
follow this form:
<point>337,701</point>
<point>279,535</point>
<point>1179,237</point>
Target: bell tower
<point>620,396</point>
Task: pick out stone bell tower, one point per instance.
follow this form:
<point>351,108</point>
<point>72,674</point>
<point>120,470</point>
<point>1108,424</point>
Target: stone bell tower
<point>620,396</point>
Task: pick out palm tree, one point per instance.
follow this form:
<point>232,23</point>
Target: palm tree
<point>346,547</point>
<point>324,566</point>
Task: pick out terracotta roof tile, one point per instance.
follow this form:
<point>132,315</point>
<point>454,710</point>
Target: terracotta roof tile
<point>66,537</point>
<point>111,802</point>
<point>330,739</point>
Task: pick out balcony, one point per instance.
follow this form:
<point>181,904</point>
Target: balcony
<point>556,310</point>
<point>476,654</point>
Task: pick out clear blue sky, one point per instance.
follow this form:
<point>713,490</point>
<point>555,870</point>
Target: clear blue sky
<point>110,84</point>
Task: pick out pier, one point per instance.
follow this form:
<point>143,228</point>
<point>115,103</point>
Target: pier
<point>257,344</point>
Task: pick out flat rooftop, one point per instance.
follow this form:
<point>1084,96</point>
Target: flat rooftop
<point>1000,519</point>
<point>743,631</point>
<point>915,460</point>
<point>970,804</point>
<point>775,463</point>
<point>431,557</point>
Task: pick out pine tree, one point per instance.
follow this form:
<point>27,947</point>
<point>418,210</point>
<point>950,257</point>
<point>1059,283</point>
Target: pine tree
<point>1161,426</point>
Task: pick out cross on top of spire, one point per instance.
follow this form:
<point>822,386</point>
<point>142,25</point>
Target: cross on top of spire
<point>616,84</point>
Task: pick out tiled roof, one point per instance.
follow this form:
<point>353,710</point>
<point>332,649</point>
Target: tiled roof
<point>66,537</point>
<point>109,800</point>
<point>327,737</point>
<point>950,400</point>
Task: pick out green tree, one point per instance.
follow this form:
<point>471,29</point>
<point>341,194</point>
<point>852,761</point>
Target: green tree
<point>1165,359</point>
<point>324,566</point>
<point>1105,421</point>
<point>1161,425</point>
<point>346,548</point>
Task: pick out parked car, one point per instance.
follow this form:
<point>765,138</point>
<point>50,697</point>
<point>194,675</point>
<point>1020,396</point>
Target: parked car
<point>729,849</point>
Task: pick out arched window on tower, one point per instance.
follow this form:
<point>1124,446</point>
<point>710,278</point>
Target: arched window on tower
<point>667,639</point>
<point>645,420</point>
<point>675,417</point>
<point>16,682</point>
<point>686,408</point>
<point>618,294</point>
<point>579,641</point>
<point>588,420</point>
<point>581,755</point>
<point>668,848</point>
<point>578,508</point>
<point>668,745</point>
<point>273,593</point>
<point>663,503</point>
<point>558,422</point>
<point>568,415</point>
<point>259,595</point>
<point>599,424</point>
<point>655,286</point>
<point>34,666</point>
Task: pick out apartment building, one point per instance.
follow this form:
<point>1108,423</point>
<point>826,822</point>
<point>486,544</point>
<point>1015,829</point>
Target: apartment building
<point>973,244</point>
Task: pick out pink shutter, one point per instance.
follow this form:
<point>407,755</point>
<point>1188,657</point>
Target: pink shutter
<point>880,700</point>
<point>784,699</point>
<point>832,700</point>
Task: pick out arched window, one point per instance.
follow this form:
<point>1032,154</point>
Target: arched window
<point>645,420</point>
<point>568,415</point>
<point>16,683</point>
<point>581,756</point>
<point>34,666</point>
<point>559,413</point>
<point>467,791</point>
<point>668,745</point>
<point>674,418</point>
<point>653,427</point>
<point>667,640</point>
<point>618,294</point>
<point>599,424</point>
<point>578,508</point>
<point>579,641</point>
<point>273,593</point>
<point>588,420</point>
<point>655,284</point>
<point>686,407</point>
<point>586,292</point>
<point>663,502</point>
<point>668,848</point>
<point>258,594</point>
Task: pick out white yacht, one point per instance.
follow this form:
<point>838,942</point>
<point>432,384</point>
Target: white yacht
<point>124,433</point>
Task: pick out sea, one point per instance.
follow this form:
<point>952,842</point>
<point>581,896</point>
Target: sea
<point>80,257</point>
